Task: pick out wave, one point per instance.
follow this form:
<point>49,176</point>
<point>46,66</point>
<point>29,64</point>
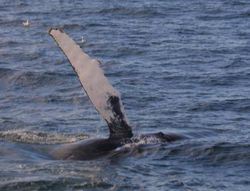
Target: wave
<point>134,11</point>
<point>232,16</point>
<point>30,78</point>
<point>220,152</point>
<point>240,105</point>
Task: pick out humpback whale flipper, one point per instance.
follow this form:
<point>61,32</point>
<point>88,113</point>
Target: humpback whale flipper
<point>102,94</point>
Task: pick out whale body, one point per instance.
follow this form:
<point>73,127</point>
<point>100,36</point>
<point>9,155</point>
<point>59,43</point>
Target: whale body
<point>107,102</point>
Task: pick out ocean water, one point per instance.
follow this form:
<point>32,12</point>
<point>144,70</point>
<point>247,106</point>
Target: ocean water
<point>180,66</point>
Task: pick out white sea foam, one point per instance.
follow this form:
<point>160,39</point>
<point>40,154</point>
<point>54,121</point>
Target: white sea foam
<point>37,137</point>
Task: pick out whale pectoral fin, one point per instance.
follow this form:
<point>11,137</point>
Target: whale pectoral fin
<point>102,94</point>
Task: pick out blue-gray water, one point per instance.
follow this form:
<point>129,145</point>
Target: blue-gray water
<point>180,66</point>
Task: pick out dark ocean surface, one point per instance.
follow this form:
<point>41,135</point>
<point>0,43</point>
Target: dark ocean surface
<point>180,66</point>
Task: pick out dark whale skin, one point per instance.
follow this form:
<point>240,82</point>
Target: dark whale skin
<point>95,148</point>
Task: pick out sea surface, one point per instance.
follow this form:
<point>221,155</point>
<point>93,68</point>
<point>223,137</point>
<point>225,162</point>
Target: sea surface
<point>181,67</point>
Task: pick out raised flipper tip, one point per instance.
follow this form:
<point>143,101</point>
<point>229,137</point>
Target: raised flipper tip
<point>55,28</point>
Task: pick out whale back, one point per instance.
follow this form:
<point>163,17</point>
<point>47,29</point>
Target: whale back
<point>102,94</point>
